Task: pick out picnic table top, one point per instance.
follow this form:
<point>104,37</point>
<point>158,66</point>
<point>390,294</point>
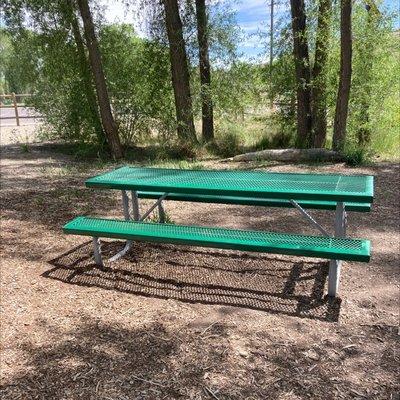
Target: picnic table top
<point>239,183</point>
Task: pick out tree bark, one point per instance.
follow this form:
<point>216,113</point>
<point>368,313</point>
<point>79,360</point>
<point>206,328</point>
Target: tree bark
<point>319,74</point>
<point>109,125</point>
<point>87,77</point>
<point>271,52</point>
<point>343,95</point>
<point>367,60</point>
<point>205,72</point>
<point>302,67</point>
<point>179,73</point>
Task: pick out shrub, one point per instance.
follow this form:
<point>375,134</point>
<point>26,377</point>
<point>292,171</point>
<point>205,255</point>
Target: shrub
<point>356,156</point>
<point>281,140</point>
<point>227,140</point>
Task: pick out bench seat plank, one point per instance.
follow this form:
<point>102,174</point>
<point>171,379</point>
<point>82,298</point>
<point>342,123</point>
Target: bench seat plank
<point>310,204</point>
<point>245,240</point>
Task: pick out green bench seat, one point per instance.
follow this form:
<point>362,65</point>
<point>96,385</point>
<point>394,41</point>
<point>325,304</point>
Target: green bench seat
<point>245,240</point>
<point>310,204</point>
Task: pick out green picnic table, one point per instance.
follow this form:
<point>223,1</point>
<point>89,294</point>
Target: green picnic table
<point>300,191</point>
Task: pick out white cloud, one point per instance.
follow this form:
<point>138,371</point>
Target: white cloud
<point>116,11</point>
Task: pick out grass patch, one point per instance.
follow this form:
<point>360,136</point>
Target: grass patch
<point>25,148</point>
<point>356,156</point>
<point>228,140</point>
<point>153,217</point>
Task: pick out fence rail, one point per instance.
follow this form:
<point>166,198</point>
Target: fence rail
<point>14,105</point>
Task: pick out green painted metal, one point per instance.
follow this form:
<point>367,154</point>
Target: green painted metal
<point>253,184</point>
<point>268,242</point>
<point>310,204</point>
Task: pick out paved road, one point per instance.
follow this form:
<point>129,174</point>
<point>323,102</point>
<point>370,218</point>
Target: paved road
<point>23,112</point>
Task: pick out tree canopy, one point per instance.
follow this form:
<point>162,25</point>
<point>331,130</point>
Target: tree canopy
<point>299,98</point>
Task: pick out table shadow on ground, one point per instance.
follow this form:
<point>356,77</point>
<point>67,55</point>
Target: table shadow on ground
<point>207,276</point>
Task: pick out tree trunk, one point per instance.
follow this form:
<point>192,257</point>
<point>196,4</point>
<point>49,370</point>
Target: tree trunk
<point>367,59</point>
<point>109,125</point>
<point>179,72</point>
<point>271,52</point>
<point>87,78</point>
<point>205,72</point>
<point>342,101</point>
<point>302,67</point>
<point>319,74</point>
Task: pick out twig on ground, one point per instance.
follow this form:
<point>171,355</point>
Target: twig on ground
<point>210,392</point>
<point>208,327</point>
<point>147,381</point>
<point>160,337</point>
<point>348,346</point>
<point>358,393</point>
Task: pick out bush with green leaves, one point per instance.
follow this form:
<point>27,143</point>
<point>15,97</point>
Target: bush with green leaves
<point>17,61</point>
<point>138,79</point>
<point>228,140</point>
<point>137,73</point>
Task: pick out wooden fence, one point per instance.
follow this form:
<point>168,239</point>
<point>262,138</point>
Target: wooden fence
<point>14,97</point>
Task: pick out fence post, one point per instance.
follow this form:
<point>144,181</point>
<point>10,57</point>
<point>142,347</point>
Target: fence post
<point>15,108</point>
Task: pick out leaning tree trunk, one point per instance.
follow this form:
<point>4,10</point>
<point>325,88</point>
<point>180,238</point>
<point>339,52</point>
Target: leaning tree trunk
<point>179,72</point>
<point>110,127</point>
<point>342,101</point>
<point>87,79</point>
<point>302,67</point>
<point>205,72</point>
<point>289,155</point>
<point>319,77</point>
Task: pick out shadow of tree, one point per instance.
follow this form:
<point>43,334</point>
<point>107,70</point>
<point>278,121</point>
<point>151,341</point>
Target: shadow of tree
<point>276,285</point>
<point>100,360</point>
<point>95,358</point>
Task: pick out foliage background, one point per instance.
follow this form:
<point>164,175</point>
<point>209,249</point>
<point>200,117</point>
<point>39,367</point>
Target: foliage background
<point>40,58</point>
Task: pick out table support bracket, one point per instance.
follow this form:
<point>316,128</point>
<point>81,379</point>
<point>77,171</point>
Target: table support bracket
<point>307,216</point>
<point>158,203</point>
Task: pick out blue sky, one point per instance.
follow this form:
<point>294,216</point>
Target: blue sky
<point>252,16</point>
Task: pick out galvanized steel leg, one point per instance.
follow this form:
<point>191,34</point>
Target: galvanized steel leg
<point>97,251</point>
<point>127,216</point>
<point>335,265</point>
<point>161,212</point>
<point>125,205</point>
<point>135,205</point>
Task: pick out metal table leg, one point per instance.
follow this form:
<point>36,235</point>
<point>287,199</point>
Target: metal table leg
<point>127,215</point>
<point>97,251</point>
<point>135,205</point>
<point>335,265</point>
<point>161,212</point>
<point>136,216</point>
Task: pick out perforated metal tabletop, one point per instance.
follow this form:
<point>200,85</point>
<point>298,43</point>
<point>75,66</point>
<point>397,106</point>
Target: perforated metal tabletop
<point>259,184</point>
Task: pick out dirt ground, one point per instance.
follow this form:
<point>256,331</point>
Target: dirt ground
<point>170,322</point>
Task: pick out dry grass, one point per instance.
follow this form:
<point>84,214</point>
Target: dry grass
<point>187,323</point>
